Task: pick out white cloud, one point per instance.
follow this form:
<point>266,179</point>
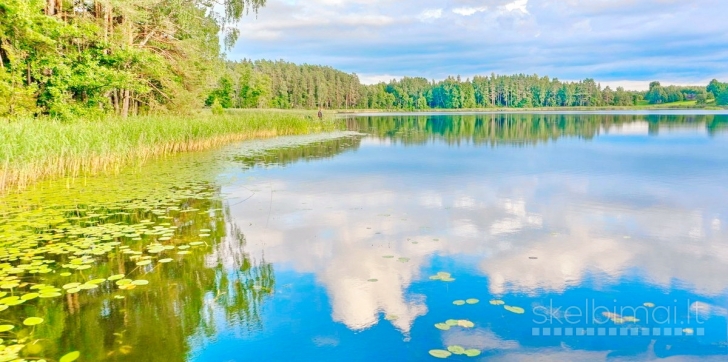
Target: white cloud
<point>430,14</point>
<point>613,41</point>
<point>467,11</point>
<point>517,5</point>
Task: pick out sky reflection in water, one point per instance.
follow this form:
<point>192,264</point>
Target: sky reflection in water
<point>572,222</point>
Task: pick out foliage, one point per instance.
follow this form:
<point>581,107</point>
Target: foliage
<point>216,108</point>
<point>259,84</point>
<point>284,85</point>
<point>720,91</point>
<point>83,58</point>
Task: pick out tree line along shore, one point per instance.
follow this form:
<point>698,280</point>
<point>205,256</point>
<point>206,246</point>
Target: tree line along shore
<point>91,59</point>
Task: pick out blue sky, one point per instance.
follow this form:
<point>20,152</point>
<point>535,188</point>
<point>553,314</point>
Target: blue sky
<point>616,42</point>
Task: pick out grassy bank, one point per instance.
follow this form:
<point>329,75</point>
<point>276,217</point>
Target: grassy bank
<point>32,149</point>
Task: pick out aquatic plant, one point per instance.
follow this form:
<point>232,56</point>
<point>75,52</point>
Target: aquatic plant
<point>32,150</point>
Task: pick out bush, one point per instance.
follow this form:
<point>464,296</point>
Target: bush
<point>217,108</point>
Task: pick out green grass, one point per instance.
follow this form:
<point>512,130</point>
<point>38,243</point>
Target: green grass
<point>35,149</point>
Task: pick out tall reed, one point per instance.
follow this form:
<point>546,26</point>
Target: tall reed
<point>33,149</point>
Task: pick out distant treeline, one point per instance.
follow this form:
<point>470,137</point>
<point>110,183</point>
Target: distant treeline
<point>280,84</point>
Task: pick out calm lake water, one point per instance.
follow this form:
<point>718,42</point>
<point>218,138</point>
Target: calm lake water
<point>551,237</point>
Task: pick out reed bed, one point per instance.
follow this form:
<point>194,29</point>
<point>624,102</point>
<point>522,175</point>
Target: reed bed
<point>32,149</point>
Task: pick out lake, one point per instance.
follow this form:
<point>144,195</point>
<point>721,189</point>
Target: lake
<point>555,237</point>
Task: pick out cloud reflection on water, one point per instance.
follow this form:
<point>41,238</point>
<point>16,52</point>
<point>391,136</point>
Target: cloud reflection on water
<point>338,226</point>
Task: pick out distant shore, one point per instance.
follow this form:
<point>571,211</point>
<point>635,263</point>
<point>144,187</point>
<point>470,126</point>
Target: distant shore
<point>663,107</point>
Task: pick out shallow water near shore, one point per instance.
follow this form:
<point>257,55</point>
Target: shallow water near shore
<point>470,237</point>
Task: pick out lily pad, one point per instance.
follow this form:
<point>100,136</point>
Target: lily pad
<point>115,277</point>
<point>165,260</point>
<point>442,326</point>
<point>451,322</point>
<point>32,321</point>
<point>517,310</point>
<point>9,299</point>
<point>440,353</point>
<point>649,305</point>
<point>466,323</point>
<point>497,302</point>
<point>140,282</point>
<point>50,295</point>
<point>472,301</point>
<point>456,349</point>
<point>70,357</point>
<point>144,262</point>
<point>472,352</point>
<point>30,296</point>
<point>459,302</point>
<point>6,327</point>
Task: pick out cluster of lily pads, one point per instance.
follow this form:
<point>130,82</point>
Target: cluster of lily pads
<point>457,350</point>
<point>42,246</point>
<point>442,276</point>
<point>464,323</point>
<point>510,308</point>
<point>460,302</point>
<point>24,341</point>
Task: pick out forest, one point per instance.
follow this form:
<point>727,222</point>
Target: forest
<point>90,58</point>
<point>281,84</point>
<point>81,58</point>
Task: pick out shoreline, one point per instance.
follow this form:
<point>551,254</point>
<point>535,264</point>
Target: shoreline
<point>531,110</point>
<point>33,150</point>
